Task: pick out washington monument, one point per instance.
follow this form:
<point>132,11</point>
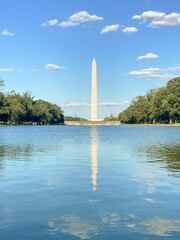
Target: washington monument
<point>94,111</point>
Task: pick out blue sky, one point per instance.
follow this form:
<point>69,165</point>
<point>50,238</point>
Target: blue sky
<point>47,47</point>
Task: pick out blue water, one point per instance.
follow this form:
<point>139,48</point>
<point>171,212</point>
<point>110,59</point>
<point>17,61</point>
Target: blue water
<point>89,182</point>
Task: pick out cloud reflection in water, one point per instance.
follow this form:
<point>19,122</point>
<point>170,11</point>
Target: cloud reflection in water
<point>73,225</point>
<point>111,221</point>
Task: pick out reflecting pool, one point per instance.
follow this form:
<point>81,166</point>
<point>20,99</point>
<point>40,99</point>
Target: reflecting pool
<point>89,182</point>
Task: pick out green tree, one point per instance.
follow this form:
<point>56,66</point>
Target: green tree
<point>13,104</point>
<point>137,112</point>
<point>3,110</point>
<point>16,108</point>
<point>158,105</point>
<point>56,114</point>
<point>173,88</point>
<point>40,112</point>
<point>27,102</point>
<point>47,113</point>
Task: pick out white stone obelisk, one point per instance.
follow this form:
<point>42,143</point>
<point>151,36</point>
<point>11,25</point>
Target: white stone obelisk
<point>94,114</point>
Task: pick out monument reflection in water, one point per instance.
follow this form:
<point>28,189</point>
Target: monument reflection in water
<point>94,156</point>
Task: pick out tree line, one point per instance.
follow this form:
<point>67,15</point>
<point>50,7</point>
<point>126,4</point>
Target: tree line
<point>160,105</point>
<point>18,108</point>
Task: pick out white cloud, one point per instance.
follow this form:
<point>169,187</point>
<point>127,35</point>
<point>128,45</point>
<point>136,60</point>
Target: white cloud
<point>35,70</point>
<point>78,18</point>
<point>6,32</point>
<point>159,18</point>
<point>137,17</point>
<point>76,104</point>
<point>126,101</point>
<point>74,78</point>
<point>146,71</point>
<point>149,15</point>
<point>83,16</point>
<point>164,76</point>
<point>169,20</point>
<point>80,104</point>
<point>151,73</point>
<point>51,22</point>
<point>7,70</point>
<point>130,30</point>
<point>54,67</point>
<point>173,69</point>
<point>68,24</point>
<point>20,70</point>
<point>110,28</point>
<point>114,104</point>
<point>148,56</point>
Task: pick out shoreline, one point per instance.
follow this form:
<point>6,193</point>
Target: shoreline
<point>144,125</point>
<point>155,125</point>
<point>96,124</point>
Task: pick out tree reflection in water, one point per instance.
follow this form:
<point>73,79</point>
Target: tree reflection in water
<point>168,155</point>
<point>22,153</point>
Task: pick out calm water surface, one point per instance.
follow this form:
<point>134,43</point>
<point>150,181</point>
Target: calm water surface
<point>89,182</point>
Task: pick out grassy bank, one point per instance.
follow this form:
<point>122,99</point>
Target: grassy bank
<point>92,123</point>
<point>155,125</point>
<point>87,123</point>
<point>113,123</point>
